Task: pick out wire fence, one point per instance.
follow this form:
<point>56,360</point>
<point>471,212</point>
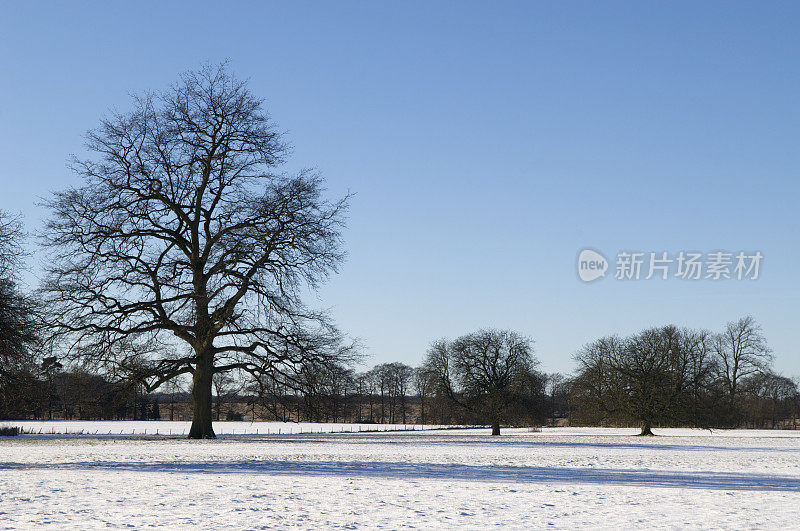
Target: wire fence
<point>167,428</point>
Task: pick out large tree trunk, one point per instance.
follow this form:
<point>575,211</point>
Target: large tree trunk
<point>496,427</point>
<point>646,428</point>
<point>201,396</point>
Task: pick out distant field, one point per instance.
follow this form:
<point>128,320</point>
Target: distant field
<point>560,477</point>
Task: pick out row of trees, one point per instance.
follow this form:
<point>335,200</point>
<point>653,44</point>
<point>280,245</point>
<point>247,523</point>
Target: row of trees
<point>446,389</point>
<point>661,376</point>
<point>77,395</point>
<point>664,376</point>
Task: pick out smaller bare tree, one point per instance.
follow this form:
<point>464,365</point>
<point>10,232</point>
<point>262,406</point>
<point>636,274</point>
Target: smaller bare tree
<point>482,371</point>
<point>424,384</point>
<point>741,351</point>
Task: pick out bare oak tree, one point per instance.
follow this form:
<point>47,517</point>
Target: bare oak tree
<point>185,251</point>
<point>482,371</point>
<point>647,377</point>
<point>652,364</point>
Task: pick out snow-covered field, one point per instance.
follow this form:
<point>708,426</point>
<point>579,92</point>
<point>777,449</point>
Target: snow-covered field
<point>560,477</point>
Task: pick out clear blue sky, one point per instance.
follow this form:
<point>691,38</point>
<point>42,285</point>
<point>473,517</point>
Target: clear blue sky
<point>487,144</point>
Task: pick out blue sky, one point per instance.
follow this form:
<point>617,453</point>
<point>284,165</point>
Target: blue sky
<point>487,143</point>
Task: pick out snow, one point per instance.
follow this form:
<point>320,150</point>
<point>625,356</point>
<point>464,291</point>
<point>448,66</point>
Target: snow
<point>559,477</point>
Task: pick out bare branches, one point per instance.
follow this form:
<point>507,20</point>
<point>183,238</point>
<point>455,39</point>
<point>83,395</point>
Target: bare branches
<point>19,315</point>
<point>483,371</point>
<point>671,375</point>
<point>11,235</point>
<point>742,351</point>
<point>185,232</point>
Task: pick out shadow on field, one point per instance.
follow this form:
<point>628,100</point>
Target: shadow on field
<point>636,443</point>
<point>450,472</point>
<point>643,444</point>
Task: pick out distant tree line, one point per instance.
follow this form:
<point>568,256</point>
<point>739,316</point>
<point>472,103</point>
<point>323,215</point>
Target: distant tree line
<point>78,395</point>
<point>664,376</point>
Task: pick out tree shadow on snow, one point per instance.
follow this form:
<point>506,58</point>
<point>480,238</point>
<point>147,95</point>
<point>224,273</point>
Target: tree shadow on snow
<point>450,472</point>
<point>637,442</point>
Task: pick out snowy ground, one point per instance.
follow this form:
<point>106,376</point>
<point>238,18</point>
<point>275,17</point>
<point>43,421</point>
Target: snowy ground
<point>561,477</point>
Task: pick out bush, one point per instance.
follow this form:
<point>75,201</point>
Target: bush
<point>9,431</point>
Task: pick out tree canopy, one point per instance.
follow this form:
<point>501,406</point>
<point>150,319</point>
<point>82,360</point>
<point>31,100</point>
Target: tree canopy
<point>186,250</point>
